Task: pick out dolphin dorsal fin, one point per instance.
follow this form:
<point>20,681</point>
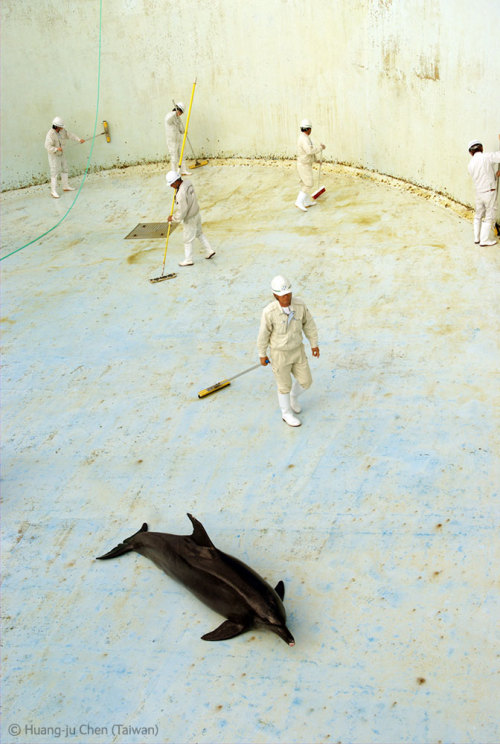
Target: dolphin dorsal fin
<point>199,534</point>
<point>280,590</point>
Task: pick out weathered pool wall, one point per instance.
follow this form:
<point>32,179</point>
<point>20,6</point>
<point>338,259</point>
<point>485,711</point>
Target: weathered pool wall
<point>397,87</point>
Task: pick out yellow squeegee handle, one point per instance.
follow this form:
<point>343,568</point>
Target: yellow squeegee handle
<point>179,167</point>
<point>187,125</point>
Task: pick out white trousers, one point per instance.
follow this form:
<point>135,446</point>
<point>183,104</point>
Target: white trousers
<point>287,363</point>
<point>192,230</point>
<point>485,205</point>
<point>174,151</point>
<point>306,177</point>
<point>57,164</point>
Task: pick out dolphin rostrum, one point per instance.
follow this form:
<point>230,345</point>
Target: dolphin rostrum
<point>222,582</point>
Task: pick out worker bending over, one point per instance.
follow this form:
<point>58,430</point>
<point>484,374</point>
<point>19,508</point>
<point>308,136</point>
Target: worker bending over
<point>174,131</point>
<point>281,327</point>
<point>187,211</point>
<point>56,136</point>
<point>484,175</point>
<point>306,155</point>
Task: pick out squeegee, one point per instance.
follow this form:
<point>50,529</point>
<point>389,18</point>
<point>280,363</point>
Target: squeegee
<point>225,383</point>
<point>321,189</point>
<point>197,163</point>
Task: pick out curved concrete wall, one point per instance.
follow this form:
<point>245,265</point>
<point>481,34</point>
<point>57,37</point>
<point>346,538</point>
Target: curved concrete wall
<point>397,86</point>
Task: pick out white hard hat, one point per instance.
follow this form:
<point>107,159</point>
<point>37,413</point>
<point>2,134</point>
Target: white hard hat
<point>281,286</point>
<point>172,177</point>
<point>474,142</point>
<point>305,124</point>
<point>57,122</point>
<point>180,105</point>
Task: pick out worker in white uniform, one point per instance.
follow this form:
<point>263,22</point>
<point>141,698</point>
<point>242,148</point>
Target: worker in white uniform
<point>187,211</point>
<point>282,324</point>
<point>174,131</point>
<point>307,154</point>
<point>483,168</point>
<point>56,136</point>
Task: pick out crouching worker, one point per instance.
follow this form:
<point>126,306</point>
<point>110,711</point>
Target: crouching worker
<point>282,323</point>
<point>188,212</point>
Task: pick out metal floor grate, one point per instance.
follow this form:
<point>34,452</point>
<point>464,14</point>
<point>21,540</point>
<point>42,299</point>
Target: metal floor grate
<point>145,230</point>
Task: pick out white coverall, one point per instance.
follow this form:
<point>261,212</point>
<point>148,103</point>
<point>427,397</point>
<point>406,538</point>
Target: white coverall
<point>482,168</point>
<point>282,333</point>
<point>174,130</point>
<point>57,160</point>
<point>306,156</point>
<point>187,211</point>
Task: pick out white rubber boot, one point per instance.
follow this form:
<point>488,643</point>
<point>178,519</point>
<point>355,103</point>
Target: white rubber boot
<point>310,202</point>
<point>188,255</point>
<point>286,410</point>
<point>296,390</point>
<point>208,248</point>
<point>477,229</point>
<point>301,201</point>
<point>485,232</point>
<point>66,186</point>
<point>53,188</point>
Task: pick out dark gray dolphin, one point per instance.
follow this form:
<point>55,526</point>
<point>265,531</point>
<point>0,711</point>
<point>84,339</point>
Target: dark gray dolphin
<point>222,582</point>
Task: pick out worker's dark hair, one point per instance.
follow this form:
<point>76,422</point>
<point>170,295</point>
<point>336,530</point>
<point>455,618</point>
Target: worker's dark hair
<point>476,148</point>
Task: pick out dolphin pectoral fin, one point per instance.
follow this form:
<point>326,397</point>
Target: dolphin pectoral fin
<point>227,630</point>
<point>280,590</point>
<point>123,547</point>
<point>199,534</point>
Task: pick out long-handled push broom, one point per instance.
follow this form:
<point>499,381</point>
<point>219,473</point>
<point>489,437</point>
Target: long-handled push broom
<point>105,133</point>
<point>321,189</point>
<point>197,163</point>
<point>225,383</point>
<point>163,276</point>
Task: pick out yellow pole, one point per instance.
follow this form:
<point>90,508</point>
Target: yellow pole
<point>179,167</point>
<point>187,124</point>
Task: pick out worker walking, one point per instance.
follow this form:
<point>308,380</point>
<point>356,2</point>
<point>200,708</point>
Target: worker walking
<point>484,175</point>
<point>174,131</point>
<point>56,136</point>
<point>307,154</point>
<point>282,323</point>
<point>188,212</point>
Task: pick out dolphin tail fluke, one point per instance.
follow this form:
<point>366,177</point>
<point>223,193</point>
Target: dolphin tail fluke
<point>227,630</point>
<point>124,547</point>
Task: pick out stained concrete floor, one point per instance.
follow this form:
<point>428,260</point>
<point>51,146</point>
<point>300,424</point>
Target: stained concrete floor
<point>380,513</point>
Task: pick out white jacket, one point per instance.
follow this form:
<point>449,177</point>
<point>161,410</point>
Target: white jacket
<point>186,203</point>
<point>282,334</point>
<point>306,152</point>
<point>174,129</point>
<point>54,139</point>
<point>482,169</point>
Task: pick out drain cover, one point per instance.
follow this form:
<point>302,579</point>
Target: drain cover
<point>145,230</point>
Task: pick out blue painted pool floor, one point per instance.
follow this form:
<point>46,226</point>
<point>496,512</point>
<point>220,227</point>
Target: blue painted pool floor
<point>380,513</point>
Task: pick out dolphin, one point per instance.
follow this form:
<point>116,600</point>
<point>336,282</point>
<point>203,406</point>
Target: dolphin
<point>222,582</point>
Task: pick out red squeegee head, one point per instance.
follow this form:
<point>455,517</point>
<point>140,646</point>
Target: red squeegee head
<point>318,192</point>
